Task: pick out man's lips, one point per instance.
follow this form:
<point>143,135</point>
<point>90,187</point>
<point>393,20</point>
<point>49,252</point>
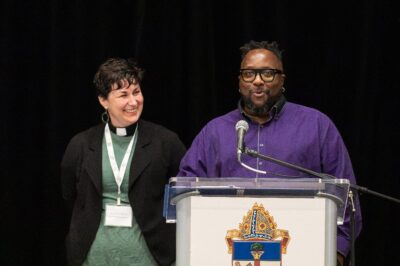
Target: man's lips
<point>259,92</point>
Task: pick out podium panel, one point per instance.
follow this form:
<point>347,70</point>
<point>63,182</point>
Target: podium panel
<point>256,221</point>
<point>203,222</point>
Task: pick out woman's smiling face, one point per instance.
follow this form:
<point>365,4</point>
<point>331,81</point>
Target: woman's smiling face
<point>125,104</point>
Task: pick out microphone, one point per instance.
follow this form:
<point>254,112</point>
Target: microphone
<point>241,128</point>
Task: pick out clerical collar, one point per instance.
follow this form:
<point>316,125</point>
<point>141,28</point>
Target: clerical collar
<point>123,131</point>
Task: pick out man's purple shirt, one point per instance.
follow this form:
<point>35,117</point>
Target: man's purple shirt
<point>296,134</point>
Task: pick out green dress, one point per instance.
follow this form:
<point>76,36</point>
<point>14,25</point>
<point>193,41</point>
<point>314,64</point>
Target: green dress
<point>118,245</point>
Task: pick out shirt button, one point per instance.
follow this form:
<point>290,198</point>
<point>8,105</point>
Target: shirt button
<point>261,145</point>
<point>260,163</point>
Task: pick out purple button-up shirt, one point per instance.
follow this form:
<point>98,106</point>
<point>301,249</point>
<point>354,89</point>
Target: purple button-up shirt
<point>295,134</point>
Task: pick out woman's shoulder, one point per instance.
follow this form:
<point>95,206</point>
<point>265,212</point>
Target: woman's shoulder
<point>153,128</point>
<point>88,134</point>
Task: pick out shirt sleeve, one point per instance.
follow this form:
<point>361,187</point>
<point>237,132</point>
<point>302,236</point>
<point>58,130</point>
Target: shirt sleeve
<point>176,151</point>
<point>200,160</point>
<point>336,161</point>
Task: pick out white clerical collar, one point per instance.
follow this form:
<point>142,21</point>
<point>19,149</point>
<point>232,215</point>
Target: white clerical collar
<point>123,131</point>
<point>120,131</point>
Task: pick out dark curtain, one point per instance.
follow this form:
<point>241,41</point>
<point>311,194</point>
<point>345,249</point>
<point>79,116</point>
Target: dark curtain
<point>340,57</point>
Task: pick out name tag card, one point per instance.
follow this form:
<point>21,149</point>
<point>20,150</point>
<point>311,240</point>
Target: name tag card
<point>118,215</point>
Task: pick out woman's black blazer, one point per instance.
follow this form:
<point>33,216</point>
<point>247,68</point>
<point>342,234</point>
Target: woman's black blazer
<point>156,158</point>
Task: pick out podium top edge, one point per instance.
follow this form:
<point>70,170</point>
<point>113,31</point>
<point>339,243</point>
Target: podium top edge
<point>262,180</point>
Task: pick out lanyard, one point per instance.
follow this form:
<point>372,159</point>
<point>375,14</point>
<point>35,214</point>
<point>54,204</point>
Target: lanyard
<point>118,172</point>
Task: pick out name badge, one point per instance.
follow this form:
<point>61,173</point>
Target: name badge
<point>118,215</point>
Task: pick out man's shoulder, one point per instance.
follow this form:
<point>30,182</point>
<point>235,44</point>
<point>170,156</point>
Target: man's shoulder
<point>300,109</point>
<point>229,118</point>
<point>221,124</point>
<point>306,115</point>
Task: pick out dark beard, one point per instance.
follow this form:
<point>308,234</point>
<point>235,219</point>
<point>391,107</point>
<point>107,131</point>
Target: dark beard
<point>263,110</point>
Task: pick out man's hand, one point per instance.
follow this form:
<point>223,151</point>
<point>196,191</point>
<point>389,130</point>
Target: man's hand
<point>340,259</point>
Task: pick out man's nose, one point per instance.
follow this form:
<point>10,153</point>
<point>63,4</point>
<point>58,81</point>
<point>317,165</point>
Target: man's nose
<point>258,80</point>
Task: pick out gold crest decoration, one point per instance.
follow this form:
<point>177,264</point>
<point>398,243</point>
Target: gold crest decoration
<point>258,224</point>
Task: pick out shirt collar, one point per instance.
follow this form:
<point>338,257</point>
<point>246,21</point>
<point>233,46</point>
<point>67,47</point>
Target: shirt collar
<point>273,113</point>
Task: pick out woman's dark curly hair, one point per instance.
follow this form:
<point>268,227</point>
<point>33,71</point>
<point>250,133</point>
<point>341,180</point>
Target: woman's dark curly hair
<point>116,71</point>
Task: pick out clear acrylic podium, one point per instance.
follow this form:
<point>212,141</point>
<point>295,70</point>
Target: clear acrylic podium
<point>206,210</point>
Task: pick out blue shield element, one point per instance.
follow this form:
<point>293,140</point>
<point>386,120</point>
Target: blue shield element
<point>252,251</point>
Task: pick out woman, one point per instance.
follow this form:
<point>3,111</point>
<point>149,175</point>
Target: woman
<point>114,174</point>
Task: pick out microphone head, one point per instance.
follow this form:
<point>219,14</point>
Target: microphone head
<point>242,124</point>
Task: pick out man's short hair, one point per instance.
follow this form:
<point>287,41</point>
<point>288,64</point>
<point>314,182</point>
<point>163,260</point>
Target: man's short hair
<point>271,46</point>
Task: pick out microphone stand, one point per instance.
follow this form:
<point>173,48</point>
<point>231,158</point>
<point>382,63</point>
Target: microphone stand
<point>255,154</point>
<point>353,230</point>
<point>353,213</point>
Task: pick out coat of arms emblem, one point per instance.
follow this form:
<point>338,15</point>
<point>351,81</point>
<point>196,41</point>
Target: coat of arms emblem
<point>257,242</point>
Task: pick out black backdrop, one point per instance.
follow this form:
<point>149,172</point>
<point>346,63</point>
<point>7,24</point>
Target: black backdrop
<point>340,57</point>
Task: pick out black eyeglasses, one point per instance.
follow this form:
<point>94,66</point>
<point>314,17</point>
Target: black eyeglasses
<point>266,74</point>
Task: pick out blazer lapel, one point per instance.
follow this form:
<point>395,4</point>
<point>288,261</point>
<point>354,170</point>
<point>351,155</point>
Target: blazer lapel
<point>142,155</point>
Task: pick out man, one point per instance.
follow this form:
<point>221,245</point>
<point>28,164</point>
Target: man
<point>280,129</point>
